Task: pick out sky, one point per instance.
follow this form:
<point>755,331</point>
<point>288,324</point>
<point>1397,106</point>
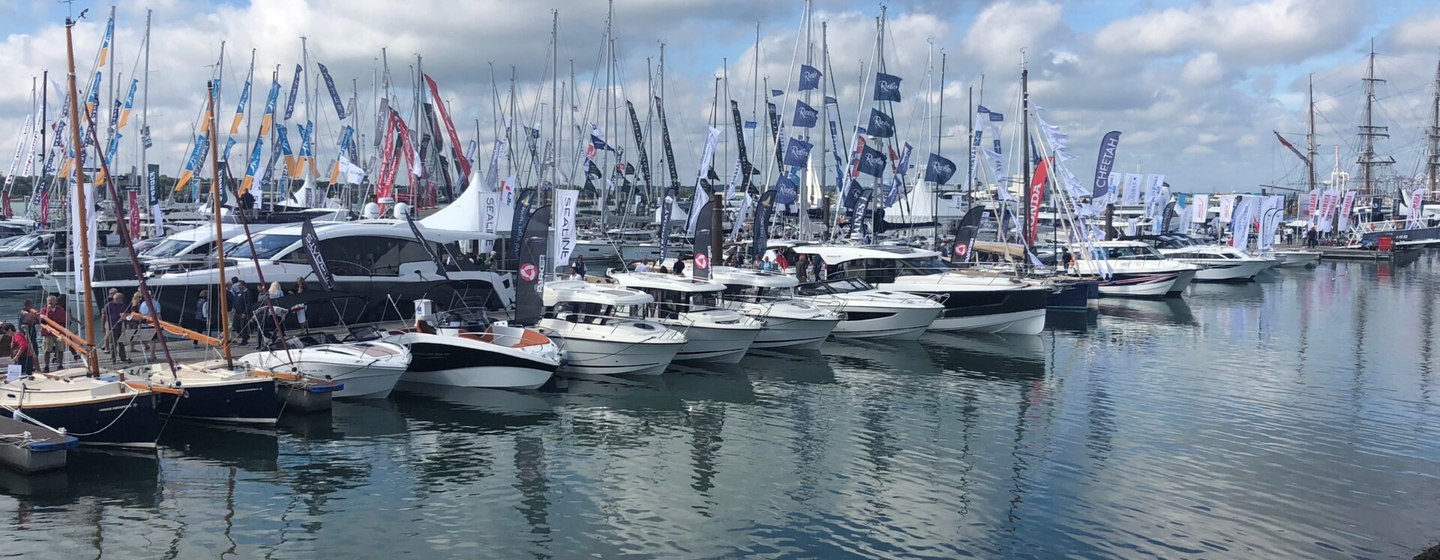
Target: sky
<point>1196,88</point>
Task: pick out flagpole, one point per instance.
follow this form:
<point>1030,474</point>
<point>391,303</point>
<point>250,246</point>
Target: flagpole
<point>149,189</point>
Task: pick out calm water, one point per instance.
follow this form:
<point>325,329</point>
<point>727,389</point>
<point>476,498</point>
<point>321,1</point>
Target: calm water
<point>1296,417</point>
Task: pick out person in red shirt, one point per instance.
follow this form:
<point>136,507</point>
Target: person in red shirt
<point>50,344</point>
<point>21,352</point>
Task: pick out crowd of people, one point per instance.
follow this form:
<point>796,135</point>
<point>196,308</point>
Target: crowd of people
<point>126,331</point>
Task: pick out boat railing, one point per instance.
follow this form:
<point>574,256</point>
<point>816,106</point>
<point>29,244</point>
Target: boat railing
<point>615,322</point>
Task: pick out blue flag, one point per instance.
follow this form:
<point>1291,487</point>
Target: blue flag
<point>787,189</point>
<point>887,87</point>
<point>805,115</point>
<point>797,152</point>
<point>809,77</point>
<point>1108,145</point>
<point>881,125</point>
<point>872,162</point>
<point>334,95</point>
<point>776,93</point>
<point>939,170</point>
<point>294,89</point>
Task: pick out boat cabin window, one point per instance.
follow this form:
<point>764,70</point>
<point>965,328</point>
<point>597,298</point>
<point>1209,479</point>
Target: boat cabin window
<point>266,246</point>
<point>577,312</point>
<point>1132,253</point>
<point>167,249</point>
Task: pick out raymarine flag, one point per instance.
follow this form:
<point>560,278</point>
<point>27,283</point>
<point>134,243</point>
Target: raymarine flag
<point>809,77</point>
<point>939,170</point>
<point>881,125</point>
<point>887,87</point>
<point>805,115</point>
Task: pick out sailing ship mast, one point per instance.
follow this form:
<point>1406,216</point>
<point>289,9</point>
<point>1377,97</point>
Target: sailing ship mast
<point>1369,131</point>
<point>1028,189</point>
<point>1434,134</point>
<point>92,362</point>
<point>1310,138</point>
<point>219,231</point>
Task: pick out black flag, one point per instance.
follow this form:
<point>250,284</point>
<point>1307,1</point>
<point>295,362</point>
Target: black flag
<point>1103,162</point>
<point>887,87</point>
<point>761,226</point>
<point>745,167</point>
<point>665,143</point>
<point>703,227</point>
<point>639,144</point>
<point>667,204</point>
<point>872,162</point>
<point>420,237</point>
<point>317,261</point>
<point>775,132</point>
<point>523,202</point>
<point>530,276</point>
<point>881,125</point>
<point>805,115</point>
<point>969,226</point>
<point>939,170</point>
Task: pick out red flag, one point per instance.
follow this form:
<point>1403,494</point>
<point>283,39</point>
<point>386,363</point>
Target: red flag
<point>134,216</point>
<point>460,162</point>
<point>1037,194</point>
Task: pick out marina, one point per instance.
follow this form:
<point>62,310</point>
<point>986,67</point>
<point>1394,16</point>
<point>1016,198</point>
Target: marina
<point>952,445</point>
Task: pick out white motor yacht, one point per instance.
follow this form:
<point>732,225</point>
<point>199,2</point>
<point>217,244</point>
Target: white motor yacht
<point>1220,263</point>
<point>597,332</point>
<point>462,348</point>
<point>1132,268</point>
<point>871,313</point>
<point>713,333</point>
<point>989,303</point>
<point>365,367</point>
<point>789,322</point>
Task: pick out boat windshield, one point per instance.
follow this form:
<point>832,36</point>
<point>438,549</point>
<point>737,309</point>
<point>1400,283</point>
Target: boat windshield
<point>1131,253</point>
<point>841,286</point>
<point>21,243</point>
<point>266,246</point>
<point>167,249</point>
<point>755,294</point>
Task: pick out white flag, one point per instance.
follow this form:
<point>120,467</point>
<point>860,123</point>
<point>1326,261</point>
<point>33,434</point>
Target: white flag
<point>566,201</point>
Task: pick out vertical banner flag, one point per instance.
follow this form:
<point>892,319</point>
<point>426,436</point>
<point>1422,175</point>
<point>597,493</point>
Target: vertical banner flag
<point>461,162</point>
<point>311,242</point>
<point>429,250</point>
<point>1227,208</point>
<point>521,215</point>
<point>1037,195</point>
<point>707,158</point>
<point>566,202</point>
<point>1346,208</point>
<point>640,144</point>
<point>740,218</point>
<point>1155,189</point>
<point>832,116</point>
<point>294,89</point>
<point>703,249</point>
<point>667,204</point>
<point>129,104</point>
<point>489,219</point>
<point>1130,191</point>
<point>334,95</point>
<point>1417,208</point>
<point>534,260</point>
<point>152,186</point>
<point>665,143</point>
<point>760,229</point>
<point>270,101</point>
<point>1108,145</point>
<point>240,108</point>
<point>1201,208</point>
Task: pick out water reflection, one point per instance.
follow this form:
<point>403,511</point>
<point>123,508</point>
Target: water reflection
<point>1009,357</point>
<point>797,367</point>
<point>1079,320</point>
<point>122,479</point>
<point>1166,311</point>
<point>253,449</point>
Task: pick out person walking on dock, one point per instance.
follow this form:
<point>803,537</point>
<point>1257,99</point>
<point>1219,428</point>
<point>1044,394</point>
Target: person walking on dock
<point>240,304</point>
<point>21,351</point>
<point>113,317</point>
<point>50,343</point>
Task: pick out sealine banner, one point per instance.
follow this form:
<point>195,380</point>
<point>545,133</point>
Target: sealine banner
<point>1108,145</point>
<point>311,242</point>
<point>566,201</point>
<point>489,218</point>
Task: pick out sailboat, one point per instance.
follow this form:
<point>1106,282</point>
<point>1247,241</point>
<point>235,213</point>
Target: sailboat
<point>213,390</point>
<point>99,409</point>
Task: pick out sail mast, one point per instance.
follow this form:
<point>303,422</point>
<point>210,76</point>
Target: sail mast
<point>92,362</point>
<point>1368,131</point>
<point>1310,136</point>
<point>148,189</point>
<point>939,131</point>
<point>219,230</point>
<point>1025,152</point>
<point>1434,136</point>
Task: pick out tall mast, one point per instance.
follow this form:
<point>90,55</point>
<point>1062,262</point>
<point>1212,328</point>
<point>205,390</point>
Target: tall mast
<point>1025,151</point>
<point>92,363</point>
<point>939,131</point>
<point>145,121</point>
<point>554,99</point>
<point>219,231</point>
<point>1434,136</point>
<point>1368,131</point>
<point>1310,137</point>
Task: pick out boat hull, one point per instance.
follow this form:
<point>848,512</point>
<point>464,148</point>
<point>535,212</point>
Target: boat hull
<point>1140,285</point>
<point>127,421</point>
<point>1015,311</point>
<point>714,344</point>
<point>886,322</point>
<point>1242,271</point>
<point>361,378</point>
<point>1071,294</point>
<point>437,361</point>
<point>800,334</point>
<point>248,401</point>
<point>601,357</point>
